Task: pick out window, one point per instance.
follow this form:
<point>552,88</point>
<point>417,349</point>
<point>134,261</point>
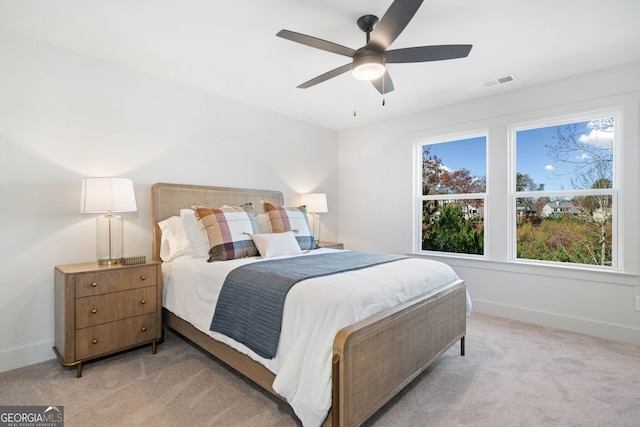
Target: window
<point>452,195</point>
<point>564,195</point>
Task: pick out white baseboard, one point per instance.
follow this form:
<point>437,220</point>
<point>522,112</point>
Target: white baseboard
<point>595,328</point>
<point>28,355</point>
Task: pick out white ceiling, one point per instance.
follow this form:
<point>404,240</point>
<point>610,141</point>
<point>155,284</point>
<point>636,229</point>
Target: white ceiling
<point>230,48</point>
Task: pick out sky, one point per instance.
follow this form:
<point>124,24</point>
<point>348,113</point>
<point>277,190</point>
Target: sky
<point>532,155</point>
<point>470,154</point>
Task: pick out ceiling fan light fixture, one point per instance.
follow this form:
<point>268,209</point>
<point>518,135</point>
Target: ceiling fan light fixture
<point>368,66</point>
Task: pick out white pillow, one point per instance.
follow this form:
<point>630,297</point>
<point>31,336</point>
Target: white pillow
<point>197,236</point>
<point>174,242</point>
<point>262,220</point>
<point>276,244</point>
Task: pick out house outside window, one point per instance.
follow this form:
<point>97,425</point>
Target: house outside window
<point>452,194</point>
<point>559,208</point>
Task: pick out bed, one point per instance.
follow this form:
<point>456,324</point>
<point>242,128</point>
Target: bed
<point>371,360</point>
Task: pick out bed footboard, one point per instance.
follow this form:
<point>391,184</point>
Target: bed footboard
<point>377,357</point>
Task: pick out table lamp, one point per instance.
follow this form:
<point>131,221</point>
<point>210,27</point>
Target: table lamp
<point>108,195</point>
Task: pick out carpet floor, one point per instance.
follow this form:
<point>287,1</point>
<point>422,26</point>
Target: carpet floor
<point>513,374</point>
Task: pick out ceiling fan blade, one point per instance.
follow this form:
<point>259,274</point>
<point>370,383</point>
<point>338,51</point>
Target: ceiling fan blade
<point>427,53</point>
<point>392,23</point>
<point>326,76</point>
<point>386,87</point>
<point>316,42</point>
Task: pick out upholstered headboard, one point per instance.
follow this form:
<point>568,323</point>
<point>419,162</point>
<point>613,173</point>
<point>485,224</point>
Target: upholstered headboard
<point>168,199</point>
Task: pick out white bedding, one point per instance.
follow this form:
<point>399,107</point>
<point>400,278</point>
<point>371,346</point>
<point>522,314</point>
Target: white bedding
<point>315,310</point>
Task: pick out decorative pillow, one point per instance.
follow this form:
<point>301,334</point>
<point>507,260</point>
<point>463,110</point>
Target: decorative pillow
<point>228,230</point>
<point>276,244</point>
<point>197,236</point>
<point>283,219</point>
<point>262,220</point>
<point>174,242</point>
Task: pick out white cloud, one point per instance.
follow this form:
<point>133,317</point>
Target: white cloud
<point>598,138</point>
<point>599,124</point>
<point>549,167</point>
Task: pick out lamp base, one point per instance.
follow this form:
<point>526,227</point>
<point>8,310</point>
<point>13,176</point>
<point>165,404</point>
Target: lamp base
<point>315,226</point>
<point>109,239</point>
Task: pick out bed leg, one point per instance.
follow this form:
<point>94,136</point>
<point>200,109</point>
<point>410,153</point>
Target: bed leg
<point>462,346</point>
<point>335,389</point>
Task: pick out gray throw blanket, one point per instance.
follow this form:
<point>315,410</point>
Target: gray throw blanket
<point>251,300</point>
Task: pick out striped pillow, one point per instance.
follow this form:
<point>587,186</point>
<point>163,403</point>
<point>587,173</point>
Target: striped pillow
<point>228,229</point>
<point>284,219</point>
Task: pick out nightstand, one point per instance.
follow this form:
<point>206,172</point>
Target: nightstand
<point>331,245</point>
<point>100,310</point>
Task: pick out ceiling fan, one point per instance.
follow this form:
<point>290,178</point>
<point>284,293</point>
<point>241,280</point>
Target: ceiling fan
<point>368,62</point>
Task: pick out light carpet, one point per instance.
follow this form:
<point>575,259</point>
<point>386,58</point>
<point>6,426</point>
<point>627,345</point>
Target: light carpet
<point>513,374</point>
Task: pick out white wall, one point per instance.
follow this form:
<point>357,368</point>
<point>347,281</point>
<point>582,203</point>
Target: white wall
<point>64,117</point>
<point>377,203</point>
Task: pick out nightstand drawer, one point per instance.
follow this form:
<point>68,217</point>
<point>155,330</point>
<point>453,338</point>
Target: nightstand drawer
<point>100,309</point>
<point>106,338</point>
<point>111,281</point>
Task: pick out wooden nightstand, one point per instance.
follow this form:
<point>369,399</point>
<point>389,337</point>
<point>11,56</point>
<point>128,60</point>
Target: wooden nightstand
<point>100,310</point>
<point>331,245</point>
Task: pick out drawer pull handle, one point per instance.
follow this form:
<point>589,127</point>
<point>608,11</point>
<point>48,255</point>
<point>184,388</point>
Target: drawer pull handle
<point>94,311</point>
<point>94,284</point>
<point>95,341</point>
<point>144,301</point>
<point>143,277</point>
<point>144,329</point>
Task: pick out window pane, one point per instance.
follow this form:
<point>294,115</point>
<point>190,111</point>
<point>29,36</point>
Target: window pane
<point>453,226</point>
<point>564,157</point>
<point>455,167</point>
<point>577,230</point>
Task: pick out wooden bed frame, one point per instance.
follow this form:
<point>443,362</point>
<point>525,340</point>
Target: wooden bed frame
<point>372,359</point>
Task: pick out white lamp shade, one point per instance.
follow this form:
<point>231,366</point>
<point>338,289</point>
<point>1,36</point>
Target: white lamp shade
<point>315,202</point>
<point>107,195</point>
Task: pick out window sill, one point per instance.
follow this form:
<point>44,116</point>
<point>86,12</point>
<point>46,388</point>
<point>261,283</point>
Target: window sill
<point>572,272</point>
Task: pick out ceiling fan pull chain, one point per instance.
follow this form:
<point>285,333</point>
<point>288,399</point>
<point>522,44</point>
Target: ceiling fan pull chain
<point>383,92</point>
<point>355,97</point>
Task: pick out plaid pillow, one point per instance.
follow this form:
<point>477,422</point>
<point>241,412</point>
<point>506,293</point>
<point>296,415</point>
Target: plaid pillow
<point>228,229</point>
<point>284,219</point>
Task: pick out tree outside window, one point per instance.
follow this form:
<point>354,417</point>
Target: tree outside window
<point>453,182</point>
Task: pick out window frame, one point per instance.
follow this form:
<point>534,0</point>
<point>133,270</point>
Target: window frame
<point>420,198</point>
<point>614,192</point>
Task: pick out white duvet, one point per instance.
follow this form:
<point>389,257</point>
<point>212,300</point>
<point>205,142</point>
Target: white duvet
<point>315,310</point>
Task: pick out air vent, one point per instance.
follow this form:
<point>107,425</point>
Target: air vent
<point>499,80</point>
